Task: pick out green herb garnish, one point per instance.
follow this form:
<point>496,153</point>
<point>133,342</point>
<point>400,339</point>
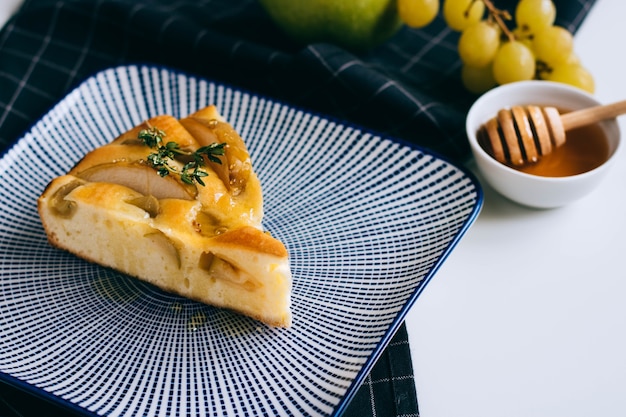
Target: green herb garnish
<point>165,152</point>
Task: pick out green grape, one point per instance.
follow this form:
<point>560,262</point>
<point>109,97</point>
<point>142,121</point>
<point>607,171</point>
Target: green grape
<point>514,61</point>
<point>460,14</point>
<point>572,74</point>
<point>523,37</point>
<point>417,13</point>
<point>478,44</point>
<point>553,45</point>
<point>478,80</point>
<point>533,15</point>
<point>572,59</point>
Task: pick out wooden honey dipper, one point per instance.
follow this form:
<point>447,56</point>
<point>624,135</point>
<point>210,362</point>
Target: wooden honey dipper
<point>523,134</point>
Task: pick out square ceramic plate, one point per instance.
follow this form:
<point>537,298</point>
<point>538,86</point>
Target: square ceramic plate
<point>367,221</point>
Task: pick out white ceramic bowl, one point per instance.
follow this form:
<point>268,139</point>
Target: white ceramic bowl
<point>526,189</point>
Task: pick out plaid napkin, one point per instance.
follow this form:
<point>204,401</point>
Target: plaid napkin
<point>408,88</point>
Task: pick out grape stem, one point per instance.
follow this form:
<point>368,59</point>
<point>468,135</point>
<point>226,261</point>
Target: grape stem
<point>499,16</point>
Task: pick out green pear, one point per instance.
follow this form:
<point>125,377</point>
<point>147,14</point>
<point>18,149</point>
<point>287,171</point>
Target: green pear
<point>357,25</point>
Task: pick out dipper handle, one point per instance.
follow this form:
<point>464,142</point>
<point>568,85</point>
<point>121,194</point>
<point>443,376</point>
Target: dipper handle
<point>591,115</point>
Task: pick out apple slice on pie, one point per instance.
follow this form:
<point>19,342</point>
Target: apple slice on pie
<point>175,203</point>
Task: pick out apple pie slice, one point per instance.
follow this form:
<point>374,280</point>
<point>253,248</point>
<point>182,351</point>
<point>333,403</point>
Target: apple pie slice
<point>175,203</point>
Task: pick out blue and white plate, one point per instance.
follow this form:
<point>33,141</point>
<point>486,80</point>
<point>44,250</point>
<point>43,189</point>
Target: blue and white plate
<point>367,222</point>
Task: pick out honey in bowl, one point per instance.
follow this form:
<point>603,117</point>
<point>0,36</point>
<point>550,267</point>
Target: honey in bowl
<point>578,150</point>
<point>586,148</point>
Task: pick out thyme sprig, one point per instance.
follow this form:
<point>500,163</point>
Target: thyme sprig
<point>192,171</point>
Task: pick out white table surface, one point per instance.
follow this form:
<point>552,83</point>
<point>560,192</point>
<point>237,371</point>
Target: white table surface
<point>527,317</point>
<point>7,8</point>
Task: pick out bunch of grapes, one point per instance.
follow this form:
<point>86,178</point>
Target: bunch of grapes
<point>492,53</point>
